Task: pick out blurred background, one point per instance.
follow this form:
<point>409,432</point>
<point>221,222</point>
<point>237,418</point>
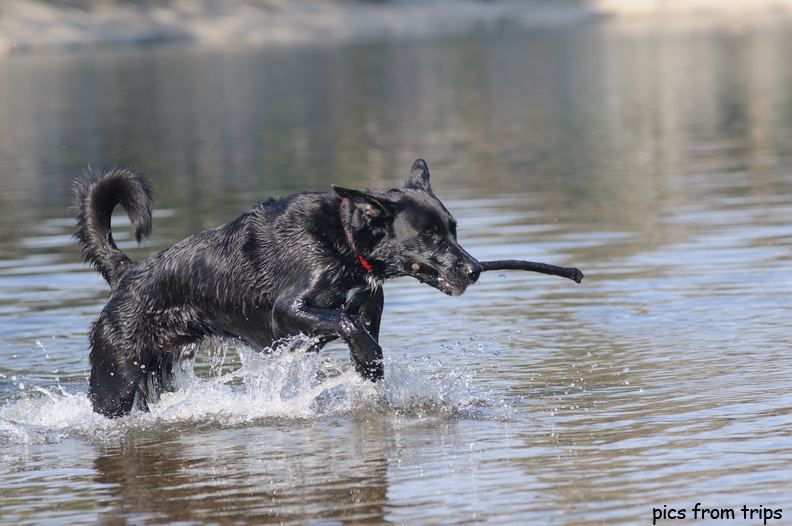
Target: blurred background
<point>498,96</point>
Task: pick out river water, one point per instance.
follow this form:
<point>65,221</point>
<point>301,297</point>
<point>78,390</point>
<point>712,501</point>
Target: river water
<point>656,159</point>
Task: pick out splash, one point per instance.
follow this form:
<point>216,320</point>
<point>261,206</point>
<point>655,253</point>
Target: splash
<point>238,386</point>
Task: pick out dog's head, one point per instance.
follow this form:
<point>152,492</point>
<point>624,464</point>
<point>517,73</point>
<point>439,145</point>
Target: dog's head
<point>408,232</point>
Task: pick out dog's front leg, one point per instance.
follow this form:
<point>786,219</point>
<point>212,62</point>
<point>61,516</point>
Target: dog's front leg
<point>298,317</point>
<point>371,312</point>
<point>366,353</point>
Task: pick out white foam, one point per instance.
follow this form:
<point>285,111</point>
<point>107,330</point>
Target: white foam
<point>288,385</point>
<point>45,415</point>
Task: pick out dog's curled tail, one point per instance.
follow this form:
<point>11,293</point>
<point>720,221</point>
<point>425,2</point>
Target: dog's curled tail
<point>97,194</point>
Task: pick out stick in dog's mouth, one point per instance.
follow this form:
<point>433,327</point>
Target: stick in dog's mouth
<point>429,275</point>
<point>513,264</point>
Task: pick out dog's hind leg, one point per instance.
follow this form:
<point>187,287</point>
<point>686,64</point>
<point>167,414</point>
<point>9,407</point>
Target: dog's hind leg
<point>120,361</point>
<point>167,368</point>
<point>158,378</point>
<point>114,381</point>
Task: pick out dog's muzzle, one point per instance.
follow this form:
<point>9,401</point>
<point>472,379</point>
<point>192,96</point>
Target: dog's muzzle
<point>453,283</point>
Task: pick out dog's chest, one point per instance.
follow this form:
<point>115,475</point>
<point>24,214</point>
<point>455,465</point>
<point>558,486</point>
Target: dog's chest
<point>355,296</point>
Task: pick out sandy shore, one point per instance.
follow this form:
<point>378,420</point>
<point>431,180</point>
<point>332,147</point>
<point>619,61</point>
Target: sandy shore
<point>58,25</point>
<point>35,25</point>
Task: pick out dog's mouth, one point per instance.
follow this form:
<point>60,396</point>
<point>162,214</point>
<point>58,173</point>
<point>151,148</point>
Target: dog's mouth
<point>431,276</point>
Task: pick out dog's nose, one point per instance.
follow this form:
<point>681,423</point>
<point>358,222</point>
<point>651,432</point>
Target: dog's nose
<point>474,270</point>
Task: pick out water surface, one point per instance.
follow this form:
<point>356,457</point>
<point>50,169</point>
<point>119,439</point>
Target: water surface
<point>659,161</point>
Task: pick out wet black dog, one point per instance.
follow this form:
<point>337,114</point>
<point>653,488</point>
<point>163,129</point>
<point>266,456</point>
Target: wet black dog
<point>309,265</point>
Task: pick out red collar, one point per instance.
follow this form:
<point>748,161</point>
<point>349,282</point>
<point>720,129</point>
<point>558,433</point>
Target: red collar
<point>369,268</point>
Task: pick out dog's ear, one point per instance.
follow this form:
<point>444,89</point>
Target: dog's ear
<point>419,177</point>
<point>371,205</point>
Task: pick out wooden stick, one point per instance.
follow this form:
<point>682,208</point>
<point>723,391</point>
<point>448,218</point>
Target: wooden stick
<point>513,264</point>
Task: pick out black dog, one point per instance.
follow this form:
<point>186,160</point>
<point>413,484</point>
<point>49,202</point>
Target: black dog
<point>309,265</point>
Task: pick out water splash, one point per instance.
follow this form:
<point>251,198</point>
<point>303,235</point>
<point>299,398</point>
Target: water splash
<point>292,384</point>
<point>47,415</point>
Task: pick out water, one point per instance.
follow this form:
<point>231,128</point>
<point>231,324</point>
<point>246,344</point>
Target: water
<point>659,161</point>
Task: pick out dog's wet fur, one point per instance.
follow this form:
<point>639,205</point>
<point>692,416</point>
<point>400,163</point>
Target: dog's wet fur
<point>310,265</point>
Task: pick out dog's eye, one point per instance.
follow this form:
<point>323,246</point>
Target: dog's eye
<point>431,232</point>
